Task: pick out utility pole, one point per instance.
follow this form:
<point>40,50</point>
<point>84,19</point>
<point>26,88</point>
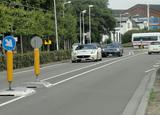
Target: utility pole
<point>90,6</point>
<point>148,14</point>
<point>83,12</point>
<point>55,16</point>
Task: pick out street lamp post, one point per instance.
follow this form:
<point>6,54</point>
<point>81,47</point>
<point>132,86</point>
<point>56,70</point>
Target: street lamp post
<point>148,15</point>
<point>90,6</point>
<point>120,28</point>
<point>55,16</point>
<point>83,12</point>
<point>68,2</point>
<point>80,27</point>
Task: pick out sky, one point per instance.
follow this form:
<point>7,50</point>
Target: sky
<point>125,4</point>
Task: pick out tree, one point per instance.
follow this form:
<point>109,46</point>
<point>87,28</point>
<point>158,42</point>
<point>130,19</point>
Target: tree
<point>127,37</point>
<point>102,20</point>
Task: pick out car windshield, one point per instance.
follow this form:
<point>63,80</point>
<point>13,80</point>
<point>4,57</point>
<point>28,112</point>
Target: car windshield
<point>112,46</point>
<point>82,47</point>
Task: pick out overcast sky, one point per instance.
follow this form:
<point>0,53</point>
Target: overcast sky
<point>125,4</point>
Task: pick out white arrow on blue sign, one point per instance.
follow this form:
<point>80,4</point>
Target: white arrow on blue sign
<point>9,43</point>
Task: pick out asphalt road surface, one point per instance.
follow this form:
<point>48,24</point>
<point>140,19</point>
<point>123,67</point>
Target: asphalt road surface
<point>87,88</point>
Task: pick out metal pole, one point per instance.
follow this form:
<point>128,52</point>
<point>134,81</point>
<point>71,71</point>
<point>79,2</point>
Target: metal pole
<point>120,28</point>
<point>68,2</point>
<point>21,44</point>
<point>55,15</point>
<point>90,24</point>
<point>80,26</point>
<point>83,29</point>
<point>90,6</point>
<point>63,9</point>
<point>148,14</point>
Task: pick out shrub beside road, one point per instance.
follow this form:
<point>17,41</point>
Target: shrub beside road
<point>27,59</point>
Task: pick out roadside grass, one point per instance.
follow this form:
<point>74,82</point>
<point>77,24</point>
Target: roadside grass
<point>152,96</point>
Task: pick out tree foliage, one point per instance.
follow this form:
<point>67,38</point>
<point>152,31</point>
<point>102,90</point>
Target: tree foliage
<point>101,19</point>
<point>36,17</point>
<point>127,37</point>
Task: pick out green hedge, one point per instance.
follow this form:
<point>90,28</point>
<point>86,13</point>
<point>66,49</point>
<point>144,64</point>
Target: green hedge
<point>27,60</point>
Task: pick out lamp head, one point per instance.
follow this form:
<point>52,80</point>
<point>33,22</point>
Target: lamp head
<point>84,11</point>
<point>91,6</point>
<point>69,2</point>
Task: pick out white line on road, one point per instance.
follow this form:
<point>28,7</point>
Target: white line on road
<point>79,69</point>
<point>92,70</point>
<point>10,101</point>
<point>18,98</point>
<point>150,70</point>
<point>31,70</point>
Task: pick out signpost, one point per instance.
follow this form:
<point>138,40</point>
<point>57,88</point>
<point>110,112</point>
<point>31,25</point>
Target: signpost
<point>9,44</point>
<point>36,43</point>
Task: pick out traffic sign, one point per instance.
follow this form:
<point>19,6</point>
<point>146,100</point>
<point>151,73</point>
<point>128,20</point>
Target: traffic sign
<point>49,42</point>
<point>9,43</point>
<point>36,42</point>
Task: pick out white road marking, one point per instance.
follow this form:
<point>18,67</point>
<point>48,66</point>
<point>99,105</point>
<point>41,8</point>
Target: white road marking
<point>156,66</point>
<point>91,70</point>
<point>16,99</point>
<point>129,53</point>
<point>32,70</point>
<point>150,70</point>
<point>78,69</point>
<point>11,101</point>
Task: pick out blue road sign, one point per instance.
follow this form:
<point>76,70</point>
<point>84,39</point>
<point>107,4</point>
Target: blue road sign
<point>9,43</point>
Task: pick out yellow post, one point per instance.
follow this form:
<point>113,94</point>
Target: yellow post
<point>9,68</point>
<point>36,62</point>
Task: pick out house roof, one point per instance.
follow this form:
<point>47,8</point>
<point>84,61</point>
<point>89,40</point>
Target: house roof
<point>153,7</point>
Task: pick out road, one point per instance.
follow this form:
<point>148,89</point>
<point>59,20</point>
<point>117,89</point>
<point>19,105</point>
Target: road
<point>89,88</point>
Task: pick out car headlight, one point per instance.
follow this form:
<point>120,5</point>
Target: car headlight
<point>74,53</point>
<point>118,49</point>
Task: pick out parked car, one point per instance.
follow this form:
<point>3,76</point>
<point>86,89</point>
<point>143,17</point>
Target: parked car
<point>86,52</point>
<point>113,49</point>
<point>154,47</point>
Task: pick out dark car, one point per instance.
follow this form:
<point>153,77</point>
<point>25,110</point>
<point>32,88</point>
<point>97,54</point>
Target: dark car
<point>112,49</point>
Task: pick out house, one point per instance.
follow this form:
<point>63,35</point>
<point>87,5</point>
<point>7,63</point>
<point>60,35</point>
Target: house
<point>135,18</point>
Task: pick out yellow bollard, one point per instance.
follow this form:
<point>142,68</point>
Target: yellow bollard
<point>36,62</point>
<point>10,68</point>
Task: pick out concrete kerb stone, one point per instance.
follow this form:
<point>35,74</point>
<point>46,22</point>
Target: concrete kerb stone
<point>144,102</point>
<point>17,91</point>
<point>39,84</point>
<point>139,101</point>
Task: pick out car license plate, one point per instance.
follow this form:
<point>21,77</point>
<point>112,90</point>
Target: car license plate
<point>110,54</point>
<point>83,59</point>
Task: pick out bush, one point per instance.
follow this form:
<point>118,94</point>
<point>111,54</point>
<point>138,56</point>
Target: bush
<point>27,60</point>
<point>127,37</point>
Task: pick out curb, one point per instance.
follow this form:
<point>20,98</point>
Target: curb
<point>138,103</point>
<point>144,102</point>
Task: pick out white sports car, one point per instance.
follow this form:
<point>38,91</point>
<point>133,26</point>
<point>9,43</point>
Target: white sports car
<point>86,52</point>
